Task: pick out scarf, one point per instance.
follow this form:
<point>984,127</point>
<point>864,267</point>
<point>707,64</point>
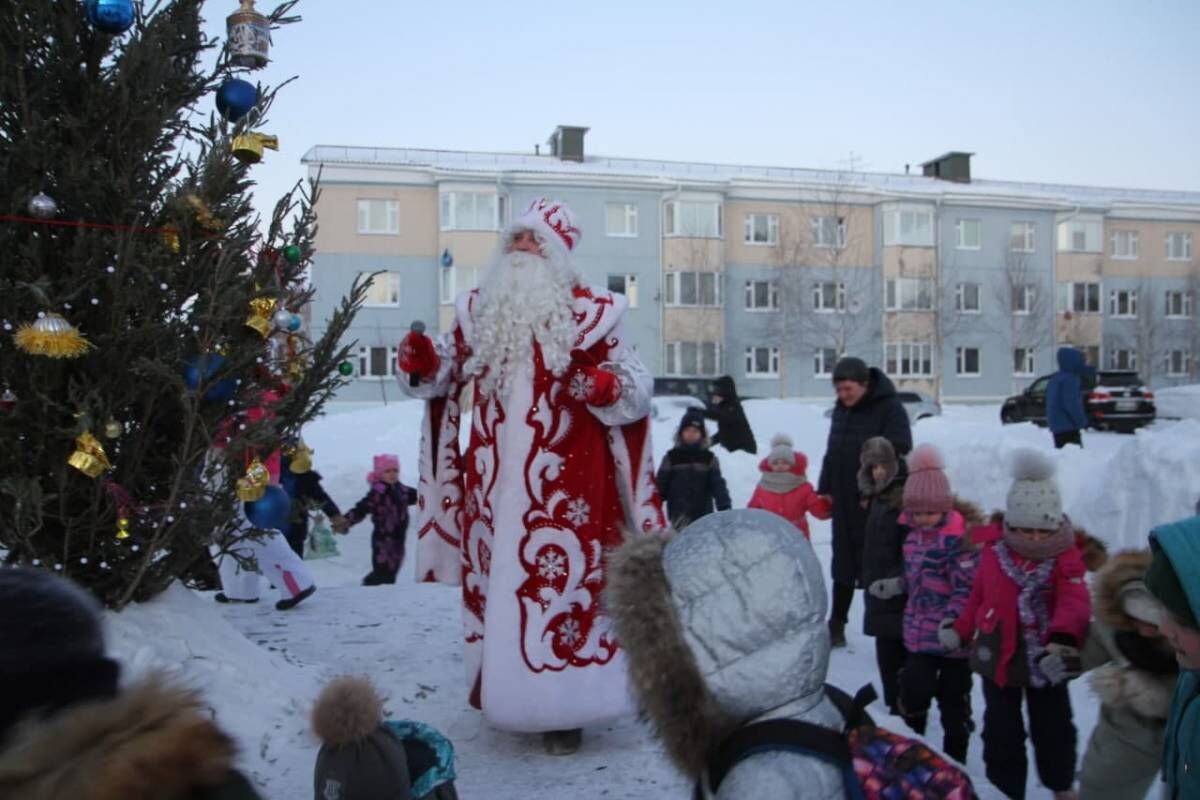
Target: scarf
<point>781,482</point>
<point>1049,548</point>
<point>1032,608</point>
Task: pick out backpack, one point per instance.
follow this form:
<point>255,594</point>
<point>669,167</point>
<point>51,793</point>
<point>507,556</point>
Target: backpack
<point>876,763</point>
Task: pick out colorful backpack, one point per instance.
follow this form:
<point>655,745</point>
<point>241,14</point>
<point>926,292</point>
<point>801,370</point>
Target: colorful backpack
<point>877,764</point>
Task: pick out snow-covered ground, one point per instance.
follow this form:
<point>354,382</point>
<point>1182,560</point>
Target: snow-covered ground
<point>1178,402</point>
<point>261,669</point>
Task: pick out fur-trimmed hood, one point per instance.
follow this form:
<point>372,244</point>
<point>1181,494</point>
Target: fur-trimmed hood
<point>755,639</point>
<point>1120,569</point>
<point>151,742</point>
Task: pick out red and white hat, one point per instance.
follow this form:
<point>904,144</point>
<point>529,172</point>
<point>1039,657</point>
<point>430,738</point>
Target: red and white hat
<point>552,221</point>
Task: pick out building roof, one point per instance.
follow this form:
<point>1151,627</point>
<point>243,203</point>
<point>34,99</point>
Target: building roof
<point>675,173</point>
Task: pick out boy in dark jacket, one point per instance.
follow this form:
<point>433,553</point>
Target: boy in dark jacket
<point>689,478</point>
<point>1064,398</point>
<point>881,482</point>
<point>303,485</point>
<point>733,429</point>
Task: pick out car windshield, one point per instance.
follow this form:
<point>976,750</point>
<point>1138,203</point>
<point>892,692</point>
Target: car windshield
<point>1119,379</point>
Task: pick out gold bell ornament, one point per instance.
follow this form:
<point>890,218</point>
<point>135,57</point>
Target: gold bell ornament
<point>122,528</point>
<point>299,458</point>
<point>259,320</point>
<point>248,147</point>
<point>253,485</point>
<point>249,42</point>
<point>89,456</point>
<point>51,335</point>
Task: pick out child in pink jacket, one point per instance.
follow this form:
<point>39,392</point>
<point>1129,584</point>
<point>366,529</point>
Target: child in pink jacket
<point>1027,615</point>
<point>784,489</point>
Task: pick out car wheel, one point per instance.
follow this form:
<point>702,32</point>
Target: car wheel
<point>1006,417</point>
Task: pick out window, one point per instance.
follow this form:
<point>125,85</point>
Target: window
<point>967,359</point>
<point>457,279</point>
<point>824,359</point>
<point>1179,363</point>
<point>762,229</point>
<point>1079,237</point>
<point>379,217</point>
<point>829,232</point>
<point>969,233</point>
<point>762,361</point>
<point>474,211</point>
<point>1023,362</point>
<point>1179,247</point>
<point>1022,237</point>
<point>1122,303</point>
<point>692,218</point>
<point>1121,358</point>
<point>1125,245</point>
<point>1024,297</point>
<point>1079,298</point>
<point>829,297</point>
<point>908,226</point>
<point>908,359</point>
<point>762,296</point>
<point>966,298</point>
<point>693,289</point>
<point>626,285</point>
<point>621,219</point>
<point>908,294</point>
<point>693,358</point>
<point>1179,305</point>
<point>376,362</point>
<point>384,289</point>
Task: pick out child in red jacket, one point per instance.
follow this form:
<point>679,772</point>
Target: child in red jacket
<point>1028,614</point>
<point>784,489</point>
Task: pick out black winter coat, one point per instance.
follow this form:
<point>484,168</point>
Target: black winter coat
<point>733,429</point>
<point>691,485</point>
<point>883,557</point>
<point>879,413</point>
<point>306,491</point>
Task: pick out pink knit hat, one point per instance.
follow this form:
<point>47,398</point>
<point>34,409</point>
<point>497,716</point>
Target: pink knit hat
<point>927,487</point>
<point>383,462</point>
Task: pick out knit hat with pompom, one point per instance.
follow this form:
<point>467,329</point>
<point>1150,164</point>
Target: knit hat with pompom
<point>360,757</point>
<point>927,488</point>
<point>781,448</point>
<point>1033,499</point>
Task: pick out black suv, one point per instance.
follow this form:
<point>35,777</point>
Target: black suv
<point>1115,400</point>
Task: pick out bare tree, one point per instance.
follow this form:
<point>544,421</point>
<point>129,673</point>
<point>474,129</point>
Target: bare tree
<point>1027,300</point>
<point>689,315</point>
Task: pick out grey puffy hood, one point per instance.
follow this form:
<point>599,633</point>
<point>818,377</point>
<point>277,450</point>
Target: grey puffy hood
<point>721,624</point>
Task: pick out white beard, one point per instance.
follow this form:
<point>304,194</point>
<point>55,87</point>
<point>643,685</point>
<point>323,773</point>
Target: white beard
<point>522,298</point>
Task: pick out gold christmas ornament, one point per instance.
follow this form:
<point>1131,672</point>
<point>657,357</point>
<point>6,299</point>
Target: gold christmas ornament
<point>170,238</point>
<point>89,456</point>
<point>253,485</point>
<point>113,429</point>
<point>259,320</point>
<point>52,336</point>
<point>122,528</point>
<point>299,458</point>
<point>294,369</point>
<point>249,42</point>
<point>248,147</point>
<point>203,216</point>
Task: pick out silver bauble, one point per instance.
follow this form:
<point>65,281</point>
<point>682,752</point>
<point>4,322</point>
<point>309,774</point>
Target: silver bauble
<point>42,206</point>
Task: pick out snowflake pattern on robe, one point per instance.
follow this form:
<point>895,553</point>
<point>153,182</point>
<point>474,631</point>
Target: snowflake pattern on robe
<point>552,565</point>
<point>578,512</point>
<point>582,386</point>
<point>570,633</point>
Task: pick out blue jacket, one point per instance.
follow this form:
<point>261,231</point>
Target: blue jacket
<point>1181,751</point>
<point>1064,394</point>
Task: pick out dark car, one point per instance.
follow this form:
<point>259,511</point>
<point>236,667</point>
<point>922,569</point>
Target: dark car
<point>1114,400</point>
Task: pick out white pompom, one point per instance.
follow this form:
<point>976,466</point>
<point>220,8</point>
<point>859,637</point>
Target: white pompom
<point>781,440</point>
<point>1032,465</point>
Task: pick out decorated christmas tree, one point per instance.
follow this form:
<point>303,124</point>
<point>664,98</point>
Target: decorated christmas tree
<point>154,353</point>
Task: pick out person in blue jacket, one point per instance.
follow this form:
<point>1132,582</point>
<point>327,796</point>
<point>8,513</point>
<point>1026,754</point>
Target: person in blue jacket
<point>1064,398</point>
<point>1174,579</point>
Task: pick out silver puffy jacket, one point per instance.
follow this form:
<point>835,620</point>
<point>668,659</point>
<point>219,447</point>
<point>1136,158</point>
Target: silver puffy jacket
<point>724,625</point>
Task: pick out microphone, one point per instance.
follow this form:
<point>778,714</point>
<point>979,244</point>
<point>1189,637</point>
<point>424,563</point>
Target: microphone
<point>418,327</point>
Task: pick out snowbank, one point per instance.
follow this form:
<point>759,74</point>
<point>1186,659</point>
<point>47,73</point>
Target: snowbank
<point>1178,402</point>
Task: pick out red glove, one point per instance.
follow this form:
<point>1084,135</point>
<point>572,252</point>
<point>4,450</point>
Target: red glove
<point>597,387</point>
<point>417,356</point>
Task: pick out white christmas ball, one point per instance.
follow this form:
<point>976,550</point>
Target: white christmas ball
<point>42,206</point>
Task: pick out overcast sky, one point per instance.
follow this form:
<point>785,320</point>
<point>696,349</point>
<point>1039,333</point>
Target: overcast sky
<point>1097,92</point>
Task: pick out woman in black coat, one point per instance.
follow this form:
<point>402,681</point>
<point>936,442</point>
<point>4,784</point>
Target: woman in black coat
<point>867,406</point>
<point>733,429</point>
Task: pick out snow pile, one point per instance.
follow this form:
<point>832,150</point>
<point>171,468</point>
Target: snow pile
<point>1178,402</point>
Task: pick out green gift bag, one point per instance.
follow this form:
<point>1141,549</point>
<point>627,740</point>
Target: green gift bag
<point>320,540</point>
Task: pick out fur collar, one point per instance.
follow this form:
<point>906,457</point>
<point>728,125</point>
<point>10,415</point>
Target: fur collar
<point>662,670</point>
<point>150,742</point>
<point>1123,567</point>
<point>1145,694</point>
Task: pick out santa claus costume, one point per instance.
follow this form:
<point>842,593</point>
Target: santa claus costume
<point>558,463</point>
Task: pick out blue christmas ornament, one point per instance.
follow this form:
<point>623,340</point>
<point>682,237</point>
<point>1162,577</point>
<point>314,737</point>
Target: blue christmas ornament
<point>273,511</point>
<point>295,322</point>
<point>447,259</point>
<point>205,367</point>
<point>235,98</point>
<point>110,16</point>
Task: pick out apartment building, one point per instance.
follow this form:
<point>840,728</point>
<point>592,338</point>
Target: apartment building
<point>956,286</point>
